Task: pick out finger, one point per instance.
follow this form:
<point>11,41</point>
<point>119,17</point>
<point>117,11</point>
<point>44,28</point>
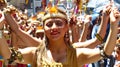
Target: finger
<point>116,13</point>
<point>107,10</point>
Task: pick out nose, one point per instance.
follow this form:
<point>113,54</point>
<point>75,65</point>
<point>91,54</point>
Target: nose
<point>54,26</point>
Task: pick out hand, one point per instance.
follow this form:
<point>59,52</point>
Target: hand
<point>87,20</point>
<point>10,9</point>
<point>73,20</point>
<point>107,9</point>
<point>114,15</point>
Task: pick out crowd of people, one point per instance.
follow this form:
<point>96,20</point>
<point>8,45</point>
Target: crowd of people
<point>51,39</point>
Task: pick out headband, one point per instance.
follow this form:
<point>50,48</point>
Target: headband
<point>54,12</point>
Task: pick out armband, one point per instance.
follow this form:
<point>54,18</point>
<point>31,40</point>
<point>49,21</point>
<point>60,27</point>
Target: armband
<point>14,56</point>
<point>99,37</point>
<point>103,54</point>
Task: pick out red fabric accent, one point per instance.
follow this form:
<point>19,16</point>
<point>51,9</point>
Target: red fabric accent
<point>1,63</point>
<point>21,65</point>
<point>85,65</point>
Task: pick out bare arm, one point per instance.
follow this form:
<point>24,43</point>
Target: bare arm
<point>4,48</point>
<point>28,40</point>
<point>92,55</point>
<point>17,42</point>
<point>75,29</point>
<point>85,29</point>
<point>28,55</point>
<point>92,43</point>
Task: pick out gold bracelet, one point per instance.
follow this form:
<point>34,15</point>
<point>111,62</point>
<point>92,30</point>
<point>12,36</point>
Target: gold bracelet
<point>99,37</point>
<point>103,54</point>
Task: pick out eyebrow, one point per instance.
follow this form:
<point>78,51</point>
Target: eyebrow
<point>61,19</point>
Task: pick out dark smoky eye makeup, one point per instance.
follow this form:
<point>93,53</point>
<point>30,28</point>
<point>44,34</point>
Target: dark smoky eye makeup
<point>49,24</point>
<point>58,23</point>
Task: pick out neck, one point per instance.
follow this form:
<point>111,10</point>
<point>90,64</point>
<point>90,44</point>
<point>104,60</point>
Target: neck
<point>58,45</point>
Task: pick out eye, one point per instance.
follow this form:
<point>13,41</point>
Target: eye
<point>49,24</point>
<point>59,23</point>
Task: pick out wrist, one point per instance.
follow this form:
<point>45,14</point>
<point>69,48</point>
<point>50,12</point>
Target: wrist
<point>114,25</point>
<point>103,54</point>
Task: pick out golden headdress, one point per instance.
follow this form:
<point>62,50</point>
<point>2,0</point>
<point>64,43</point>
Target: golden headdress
<point>54,12</point>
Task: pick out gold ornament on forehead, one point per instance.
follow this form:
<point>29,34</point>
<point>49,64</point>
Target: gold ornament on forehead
<point>54,12</point>
<point>53,9</point>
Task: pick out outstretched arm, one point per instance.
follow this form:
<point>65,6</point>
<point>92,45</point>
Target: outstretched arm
<point>4,50</point>
<point>111,40</point>
<point>28,40</point>
<point>92,55</point>
<point>84,33</point>
<point>27,53</point>
<point>92,43</point>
